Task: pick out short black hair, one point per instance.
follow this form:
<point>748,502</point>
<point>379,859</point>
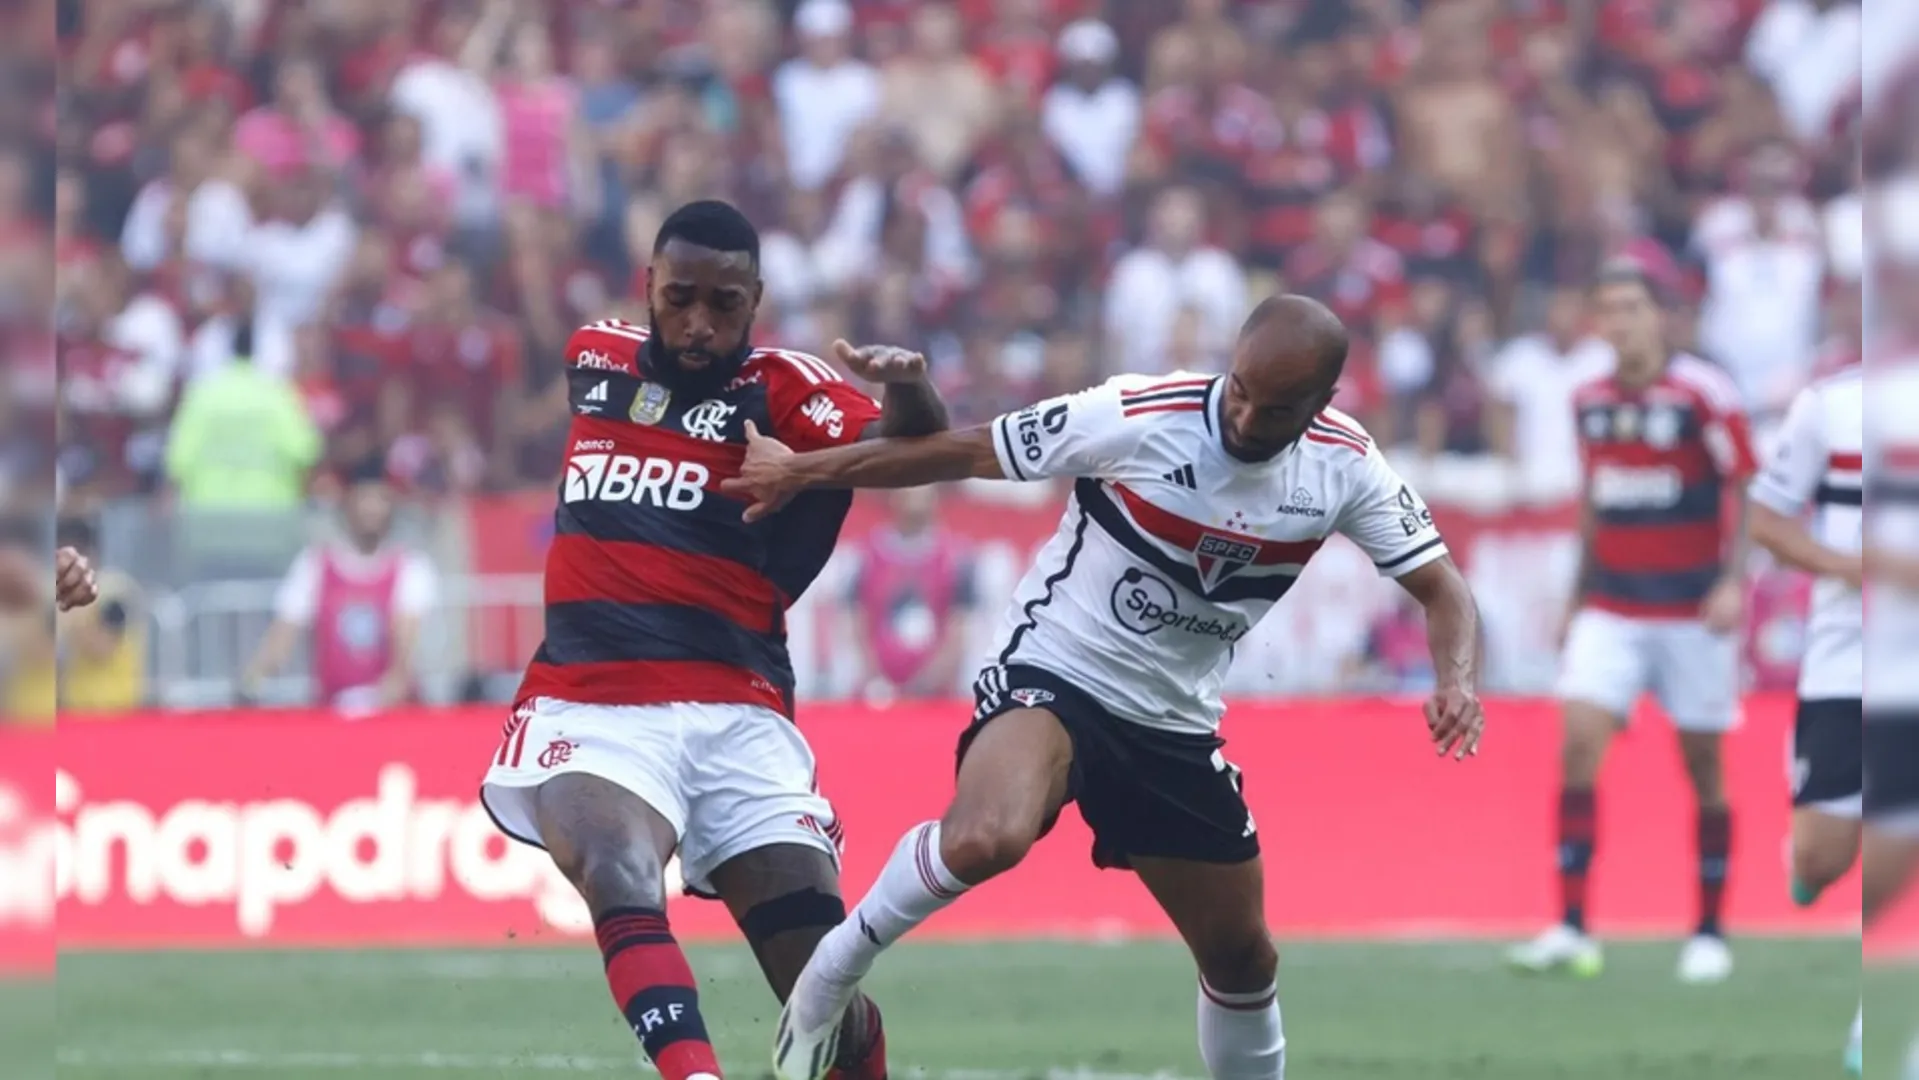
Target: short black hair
<point>1629,271</point>
<point>711,224</point>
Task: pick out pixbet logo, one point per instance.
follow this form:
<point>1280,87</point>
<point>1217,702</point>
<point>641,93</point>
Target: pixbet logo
<point>595,360</point>
<point>1146,605</point>
<point>675,485</point>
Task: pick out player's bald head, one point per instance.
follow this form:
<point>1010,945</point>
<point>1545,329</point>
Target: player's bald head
<point>1287,364</point>
<point>1294,339</point>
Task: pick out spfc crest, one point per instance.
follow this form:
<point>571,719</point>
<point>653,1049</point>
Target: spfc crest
<point>1220,557</point>
<point>1030,697</point>
<point>649,405</point>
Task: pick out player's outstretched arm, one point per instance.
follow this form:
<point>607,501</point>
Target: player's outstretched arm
<point>772,473</point>
<point>1453,716</point>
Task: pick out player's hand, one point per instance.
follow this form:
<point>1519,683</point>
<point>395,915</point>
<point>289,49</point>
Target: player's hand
<point>1724,609</point>
<point>767,480</point>
<point>1455,720</point>
<point>73,582</point>
<point>881,363</point>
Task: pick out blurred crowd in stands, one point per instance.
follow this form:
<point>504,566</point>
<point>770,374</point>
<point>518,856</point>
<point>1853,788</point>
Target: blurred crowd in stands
<point>295,239</point>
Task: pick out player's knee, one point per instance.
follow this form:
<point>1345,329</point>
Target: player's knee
<point>614,875</point>
<point>976,847</point>
<point>1240,963</point>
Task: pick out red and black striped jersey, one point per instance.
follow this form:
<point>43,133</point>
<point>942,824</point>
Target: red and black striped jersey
<point>656,590</point>
<point>1659,462</point>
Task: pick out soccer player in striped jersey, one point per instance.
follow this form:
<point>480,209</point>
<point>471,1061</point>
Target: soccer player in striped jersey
<point>657,716</point>
<point>1657,603</point>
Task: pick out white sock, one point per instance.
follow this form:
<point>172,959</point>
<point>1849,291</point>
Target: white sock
<point>1859,1023</point>
<point>914,886</point>
<point>1240,1037</point>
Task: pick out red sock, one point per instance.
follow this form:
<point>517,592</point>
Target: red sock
<point>1578,834</point>
<point>867,1059</point>
<point>654,987</point>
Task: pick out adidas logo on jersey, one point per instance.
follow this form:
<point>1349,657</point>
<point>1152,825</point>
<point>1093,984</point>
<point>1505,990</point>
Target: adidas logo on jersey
<point>1182,477</point>
<point>590,404</point>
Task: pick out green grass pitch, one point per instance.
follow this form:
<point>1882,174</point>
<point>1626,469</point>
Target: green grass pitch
<point>975,1011</point>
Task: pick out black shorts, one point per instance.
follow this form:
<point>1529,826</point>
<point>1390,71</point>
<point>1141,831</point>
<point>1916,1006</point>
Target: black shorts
<point>1891,766</point>
<point>1141,791</point>
<point>1826,739</point>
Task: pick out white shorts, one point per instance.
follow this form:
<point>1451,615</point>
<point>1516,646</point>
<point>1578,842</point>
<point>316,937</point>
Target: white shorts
<point>729,778</point>
<point>1611,660</point>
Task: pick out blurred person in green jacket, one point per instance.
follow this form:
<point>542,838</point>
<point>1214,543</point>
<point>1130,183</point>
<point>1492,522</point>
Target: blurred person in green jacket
<point>242,439</point>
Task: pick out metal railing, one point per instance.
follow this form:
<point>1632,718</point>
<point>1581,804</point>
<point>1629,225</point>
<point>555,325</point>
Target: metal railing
<point>205,634</point>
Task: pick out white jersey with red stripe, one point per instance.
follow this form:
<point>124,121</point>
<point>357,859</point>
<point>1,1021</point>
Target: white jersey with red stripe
<point>1817,466</point>
<point>1171,548</point>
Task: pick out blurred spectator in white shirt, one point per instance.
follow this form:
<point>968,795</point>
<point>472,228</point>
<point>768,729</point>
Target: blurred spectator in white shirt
<point>296,257</point>
<point>1175,268</point>
<point>1092,114</point>
<point>1765,262</point>
<point>218,216</point>
<point>825,94</point>
<point>446,90</point>
<point>1809,50</point>
<point>1529,417</point>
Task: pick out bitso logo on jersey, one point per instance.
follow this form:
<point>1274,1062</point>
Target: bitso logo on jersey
<point>650,404</point>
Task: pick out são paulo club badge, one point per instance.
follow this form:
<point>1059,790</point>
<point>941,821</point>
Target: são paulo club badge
<point>1031,697</point>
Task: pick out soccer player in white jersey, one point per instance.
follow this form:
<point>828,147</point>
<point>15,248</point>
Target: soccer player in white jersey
<point>1196,502</point>
<point>1890,847</point>
<point>1818,466</point>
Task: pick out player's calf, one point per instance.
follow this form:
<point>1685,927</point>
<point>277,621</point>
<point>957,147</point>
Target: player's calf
<point>1824,847</point>
<point>613,847</point>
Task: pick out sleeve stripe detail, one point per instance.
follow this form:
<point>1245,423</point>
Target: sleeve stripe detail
<point>1324,439</point>
<point>1176,394</point>
<point>1409,555</point>
<point>619,330</point>
<point>1169,384</point>
<point>1167,406</point>
<point>1006,445</point>
<point>1333,427</point>
<point>812,368</point>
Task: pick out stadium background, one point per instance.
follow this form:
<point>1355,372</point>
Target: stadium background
<point>373,224</point>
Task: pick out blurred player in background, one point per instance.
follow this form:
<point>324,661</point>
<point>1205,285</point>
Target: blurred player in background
<point>1818,466</point>
<point>657,714</point>
<point>1889,850</point>
<point>1657,603</point>
<point>1196,503</point>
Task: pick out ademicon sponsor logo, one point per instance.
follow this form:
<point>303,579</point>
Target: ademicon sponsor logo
<point>263,857</point>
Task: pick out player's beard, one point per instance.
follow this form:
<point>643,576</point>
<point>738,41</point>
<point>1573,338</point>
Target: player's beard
<point>664,365</point>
